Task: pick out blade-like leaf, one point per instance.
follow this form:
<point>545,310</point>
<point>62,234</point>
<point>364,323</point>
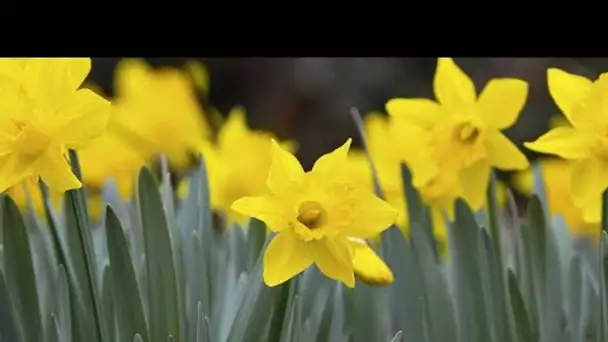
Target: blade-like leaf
<point>522,324</point>
<point>8,323</point>
<point>129,308</point>
<point>162,287</point>
<point>19,270</point>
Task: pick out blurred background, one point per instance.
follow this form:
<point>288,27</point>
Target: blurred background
<point>308,99</point>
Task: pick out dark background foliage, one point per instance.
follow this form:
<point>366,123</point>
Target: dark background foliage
<point>308,99</point>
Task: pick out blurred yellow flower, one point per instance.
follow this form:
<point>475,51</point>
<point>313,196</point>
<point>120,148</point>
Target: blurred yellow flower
<point>159,112</point>
<point>585,143</point>
<point>556,178</point>
<point>237,164</point>
<point>43,114</point>
<point>315,214</point>
<point>30,189</point>
<point>464,130</point>
<point>110,157</point>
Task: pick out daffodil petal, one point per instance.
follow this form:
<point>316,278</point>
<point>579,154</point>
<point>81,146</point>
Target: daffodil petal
<point>131,77</point>
<point>451,85</point>
<point>331,163</point>
<point>55,170</point>
<point>264,209</point>
<point>592,211</point>
<point>567,90</point>
<point>565,142</point>
<point>371,215</point>
<point>421,112</point>
<point>502,100</point>
<point>588,181</point>
<point>474,181</point>
<point>13,68</point>
<point>503,154</point>
<point>234,127</point>
<point>50,78</point>
<point>14,168</point>
<point>83,118</point>
<point>334,257</point>
<point>285,171</point>
<point>285,257</point>
<point>368,266</point>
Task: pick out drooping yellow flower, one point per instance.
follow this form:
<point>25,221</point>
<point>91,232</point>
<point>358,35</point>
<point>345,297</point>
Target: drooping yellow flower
<point>464,130</point>
<point>159,111</point>
<point>368,266</point>
<point>585,143</point>
<point>557,175</point>
<point>315,214</point>
<point>43,113</point>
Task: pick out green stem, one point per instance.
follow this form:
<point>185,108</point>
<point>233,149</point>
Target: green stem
<point>281,309</point>
<point>77,200</point>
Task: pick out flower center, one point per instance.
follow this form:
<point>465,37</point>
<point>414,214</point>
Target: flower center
<point>311,214</point>
<point>466,133</point>
<point>30,141</point>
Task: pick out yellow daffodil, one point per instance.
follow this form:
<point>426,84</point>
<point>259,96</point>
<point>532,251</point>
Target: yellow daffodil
<point>464,130</point>
<point>159,111</point>
<point>368,266</point>
<point>315,214</point>
<point>557,175</point>
<point>585,142</point>
<point>43,113</point>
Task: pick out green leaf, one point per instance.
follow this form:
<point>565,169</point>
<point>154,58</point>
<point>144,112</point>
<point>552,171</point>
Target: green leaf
<point>8,324</point>
<point>162,287</point>
<point>255,310</point>
<point>575,293</point>
<point>63,305</point>
<point>107,298</point>
<point>77,212</point>
<point>469,292</point>
<point>440,309</point>
<point>256,235</point>
<point>19,270</point>
<point>522,324</point>
<point>129,308</point>
<point>397,337</point>
<point>137,338</point>
<point>203,326</point>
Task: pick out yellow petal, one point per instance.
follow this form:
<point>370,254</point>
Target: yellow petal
<point>48,78</point>
<point>13,68</point>
<point>334,257</point>
<point>474,182</point>
<point>55,170</point>
<point>331,164</point>
<point>588,181</point>
<point>565,142</point>
<point>371,215</point>
<point>13,169</point>
<point>285,257</point>
<point>199,74</point>
<point>451,85</point>
<point>83,118</point>
<point>592,212</point>
<point>285,171</point>
<point>264,209</point>
<point>368,266</point>
<point>421,112</point>
<point>131,77</point>
<point>503,154</point>
<point>502,100</point>
<point>234,128</point>
<point>567,90</point>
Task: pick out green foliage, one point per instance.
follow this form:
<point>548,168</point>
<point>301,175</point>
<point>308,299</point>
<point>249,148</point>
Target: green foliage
<point>157,270</point>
